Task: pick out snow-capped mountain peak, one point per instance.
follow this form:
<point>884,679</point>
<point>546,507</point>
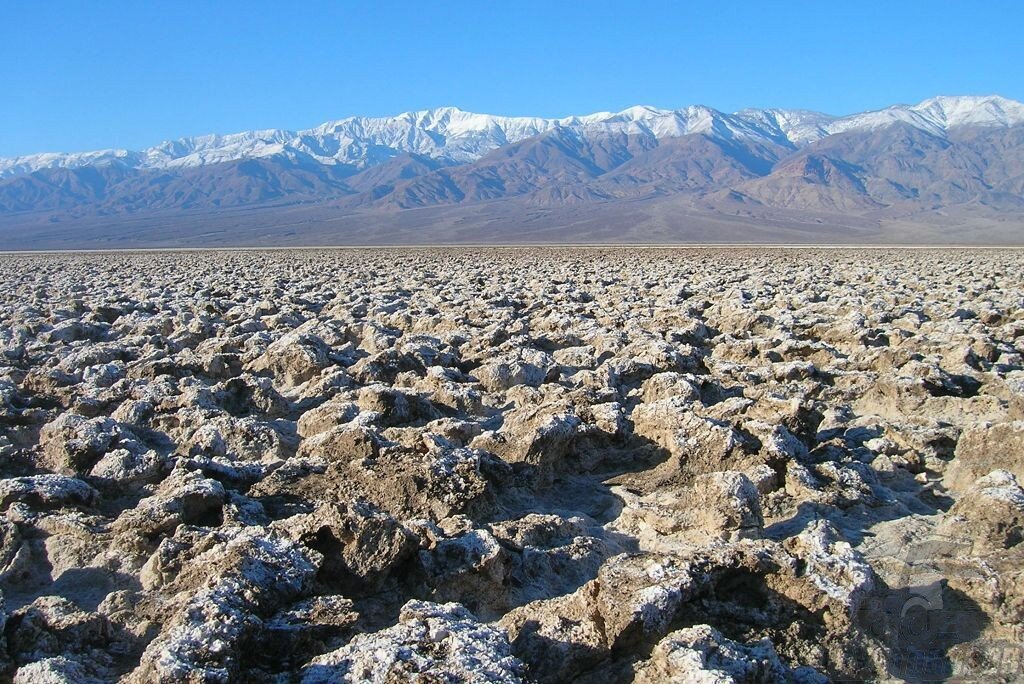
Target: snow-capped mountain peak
<point>990,110</point>
<point>458,136</point>
<point>937,115</point>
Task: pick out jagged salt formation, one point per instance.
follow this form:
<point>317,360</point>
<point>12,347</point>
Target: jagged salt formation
<point>511,465</point>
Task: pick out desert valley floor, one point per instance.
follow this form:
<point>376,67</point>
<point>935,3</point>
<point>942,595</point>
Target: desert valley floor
<point>503,465</point>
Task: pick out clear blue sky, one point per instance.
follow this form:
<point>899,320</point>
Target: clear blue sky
<point>95,74</point>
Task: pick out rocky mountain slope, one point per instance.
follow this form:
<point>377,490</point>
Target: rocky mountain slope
<point>957,156</point>
<point>610,465</point>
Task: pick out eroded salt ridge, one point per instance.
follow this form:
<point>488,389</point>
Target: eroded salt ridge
<point>512,465</point>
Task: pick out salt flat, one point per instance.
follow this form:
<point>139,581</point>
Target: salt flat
<point>530,464</point>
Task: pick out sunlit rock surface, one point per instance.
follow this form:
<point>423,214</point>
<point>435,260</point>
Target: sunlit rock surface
<point>603,465</point>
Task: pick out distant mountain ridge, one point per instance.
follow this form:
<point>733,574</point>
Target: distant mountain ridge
<point>457,136</point>
<point>959,158</point>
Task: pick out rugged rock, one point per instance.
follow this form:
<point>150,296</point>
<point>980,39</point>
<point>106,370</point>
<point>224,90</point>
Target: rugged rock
<point>46,491</point>
<point>990,515</point>
<point>431,642</point>
<point>702,655</point>
<point>360,544</point>
<point>72,443</point>
<point>236,581</point>
<point>184,497</point>
<point>511,465</point>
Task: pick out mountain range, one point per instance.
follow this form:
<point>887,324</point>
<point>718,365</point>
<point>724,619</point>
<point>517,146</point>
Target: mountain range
<point>947,170</point>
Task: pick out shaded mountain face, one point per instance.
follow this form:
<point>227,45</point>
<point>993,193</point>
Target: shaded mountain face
<point>550,165</point>
<point>380,179</point>
<point>697,164</point>
<point>898,167</point>
<point>945,154</point>
<point>115,189</point>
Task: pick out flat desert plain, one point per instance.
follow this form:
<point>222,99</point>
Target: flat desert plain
<point>504,465</point>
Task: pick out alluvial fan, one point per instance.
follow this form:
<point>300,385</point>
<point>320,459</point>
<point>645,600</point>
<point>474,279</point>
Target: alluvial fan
<point>603,465</point>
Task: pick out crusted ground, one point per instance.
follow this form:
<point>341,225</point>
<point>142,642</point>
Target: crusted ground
<point>547,465</point>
